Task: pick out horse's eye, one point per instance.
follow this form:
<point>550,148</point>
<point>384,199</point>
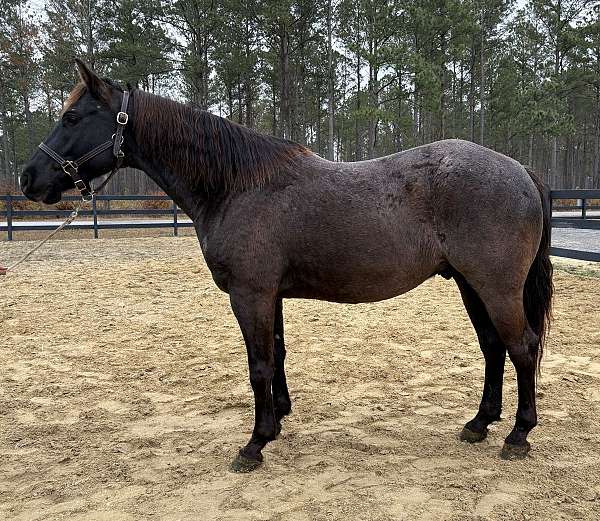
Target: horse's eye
<point>70,118</point>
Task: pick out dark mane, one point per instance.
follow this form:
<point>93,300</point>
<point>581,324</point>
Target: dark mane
<point>210,151</point>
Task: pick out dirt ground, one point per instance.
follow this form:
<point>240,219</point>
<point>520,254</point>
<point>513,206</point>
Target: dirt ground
<point>124,396</point>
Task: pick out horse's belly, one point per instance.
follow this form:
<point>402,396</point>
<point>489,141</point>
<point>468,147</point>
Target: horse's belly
<point>341,284</point>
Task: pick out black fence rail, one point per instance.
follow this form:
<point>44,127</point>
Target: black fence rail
<point>13,215</point>
<point>580,215</point>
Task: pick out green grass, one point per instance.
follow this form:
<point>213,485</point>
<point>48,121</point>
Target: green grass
<point>582,269</point>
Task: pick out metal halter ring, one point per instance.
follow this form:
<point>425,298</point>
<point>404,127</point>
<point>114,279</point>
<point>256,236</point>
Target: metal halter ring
<point>122,118</point>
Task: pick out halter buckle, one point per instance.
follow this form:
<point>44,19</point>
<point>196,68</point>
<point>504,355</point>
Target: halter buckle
<point>86,193</point>
<point>87,196</point>
<point>122,118</point>
<point>70,168</point>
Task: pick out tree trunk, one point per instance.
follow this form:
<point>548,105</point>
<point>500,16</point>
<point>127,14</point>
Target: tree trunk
<point>443,87</point>
<point>357,126</point>
<point>89,36</point>
<point>596,170</point>
<point>482,85</point>
<point>28,123</point>
<point>240,102</point>
<point>554,163</point>
<point>472,93</point>
<point>4,128</point>
<point>358,152</point>
<point>530,151</point>
<point>330,83</point>
<point>5,145</point>
<point>284,49</point>
<point>398,130</point>
<point>274,108</point>
<point>372,108</point>
<point>248,80</point>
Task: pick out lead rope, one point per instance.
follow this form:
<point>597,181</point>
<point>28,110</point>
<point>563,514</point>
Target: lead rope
<point>68,220</point>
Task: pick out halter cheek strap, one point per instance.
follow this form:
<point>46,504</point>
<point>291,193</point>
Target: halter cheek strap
<point>71,167</point>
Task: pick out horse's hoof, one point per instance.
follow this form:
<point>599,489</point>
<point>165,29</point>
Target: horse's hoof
<point>472,436</point>
<point>243,464</point>
<point>515,452</point>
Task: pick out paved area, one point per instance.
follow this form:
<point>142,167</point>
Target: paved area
<point>586,240</point>
<point>576,213</point>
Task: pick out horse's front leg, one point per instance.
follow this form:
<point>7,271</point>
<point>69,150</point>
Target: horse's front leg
<point>255,314</point>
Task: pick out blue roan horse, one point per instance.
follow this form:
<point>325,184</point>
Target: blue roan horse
<point>276,221</point>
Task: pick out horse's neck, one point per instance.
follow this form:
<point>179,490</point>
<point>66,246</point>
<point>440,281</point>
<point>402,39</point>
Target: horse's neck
<point>175,186</point>
<point>203,152</point>
<point>192,154</point>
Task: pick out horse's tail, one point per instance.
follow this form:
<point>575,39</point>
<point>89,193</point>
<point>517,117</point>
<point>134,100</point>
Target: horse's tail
<point>537,295</point>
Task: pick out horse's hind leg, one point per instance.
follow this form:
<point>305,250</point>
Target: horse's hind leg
<point>506,311</point>
<point>494,353</point>
<point>281,397</point>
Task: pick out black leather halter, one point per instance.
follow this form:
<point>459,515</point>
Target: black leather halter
<point>71,167</point>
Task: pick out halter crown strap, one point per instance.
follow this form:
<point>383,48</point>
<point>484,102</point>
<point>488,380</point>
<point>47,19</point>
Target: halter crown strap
<point>71,168</point>
<point>122,119</point>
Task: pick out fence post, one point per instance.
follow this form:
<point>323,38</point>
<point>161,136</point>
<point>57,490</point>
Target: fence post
<point>9,215</point>
<point>95,214</point>
<point>175,232</point>
<point>583,212</point>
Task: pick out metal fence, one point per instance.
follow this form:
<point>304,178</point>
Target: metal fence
<point>13,215</point>
<point>155,218</point>
<point>583,221</point>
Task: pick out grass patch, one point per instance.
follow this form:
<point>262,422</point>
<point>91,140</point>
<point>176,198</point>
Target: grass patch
<point>580,268</point>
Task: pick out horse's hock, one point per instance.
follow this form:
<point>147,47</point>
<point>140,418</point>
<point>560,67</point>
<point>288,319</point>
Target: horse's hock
<point>125,379</point>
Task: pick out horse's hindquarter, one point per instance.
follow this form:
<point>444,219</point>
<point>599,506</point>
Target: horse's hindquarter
<point>487,213</point>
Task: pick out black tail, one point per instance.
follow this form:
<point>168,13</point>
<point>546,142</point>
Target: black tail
<point>537,296</point>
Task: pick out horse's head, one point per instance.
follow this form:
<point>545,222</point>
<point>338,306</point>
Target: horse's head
<point>88,120</point>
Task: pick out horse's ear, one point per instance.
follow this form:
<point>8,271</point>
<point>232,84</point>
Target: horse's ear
<point>95,84</point>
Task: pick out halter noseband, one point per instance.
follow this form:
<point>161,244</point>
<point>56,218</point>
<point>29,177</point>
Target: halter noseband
<point>71,167</point>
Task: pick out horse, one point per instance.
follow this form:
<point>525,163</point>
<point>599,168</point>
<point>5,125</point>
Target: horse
<point>276,221</point>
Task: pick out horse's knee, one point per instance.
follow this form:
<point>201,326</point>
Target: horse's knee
<point>524,354</point>
<point>261,372</point>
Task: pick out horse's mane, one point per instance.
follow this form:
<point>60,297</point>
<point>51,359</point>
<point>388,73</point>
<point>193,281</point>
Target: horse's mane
<point>209,151</point>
